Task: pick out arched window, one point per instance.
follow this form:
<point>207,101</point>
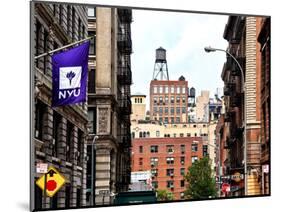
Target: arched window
<point>144,134</point>
<point>140,134</point>
<point>147,134</point>
<point>133,135</point>
<point>140,100</point>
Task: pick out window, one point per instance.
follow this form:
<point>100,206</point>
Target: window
<point>69,130</point>
<point>182,148</point>
<point>172,120</point>
<point>140,149</point>
<point>178,89</point>
<point>60,14</point>
<point>155,184</point>
<point>56,122</point>
<point>133,135</point>
<point>39,112</point>
<point>170,172</point>
<point>182,183</point>
<point>178,99</point>
<point>175,135</point>
<point>45,49</point>
<point>147,134</point>
<point>195,134</point>
<point>183,90</point>
<point>166,120</point>
<point>181,134</point>
<point>153,149</point>
<point>182,160</point>
<point>91,81</point>
<point>170,160</point>
<point>194,147</point>
<point>183,110</point>
<point>157,133</point>
<point>172,89</point>
<point>160,89</point>
<point>155,109</point>
<point>161,100</point>
<point>172,110</point>
<point>188,134</point>
<point>73,24</point>
<point>182,171</point>
<point>178,110</point>
<point>92,114</point>
<point>153,161</point>
<point>177,120</point>
<point>166,99</point>
<point>166,89</point>
<point>205,150</point>
<point>80,147</point>
<point>170,149</point>
<point>154,172</point>
<point>166,110</point>
<point>140,161</point>
<point>160,110</point>
<point>155,100</point>
<point>170,184</point>
<point>140,100</point>
<point>172,99</point>
<point>91,12</point>
<point>194,126</point>
<point>155,89</point>
<point>183,99</point>
<point>140,134</point>
<point>194,158</point>
<point>161,119</point>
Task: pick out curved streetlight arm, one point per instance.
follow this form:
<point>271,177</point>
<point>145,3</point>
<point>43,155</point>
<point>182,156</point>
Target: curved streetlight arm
<point>210,49</point>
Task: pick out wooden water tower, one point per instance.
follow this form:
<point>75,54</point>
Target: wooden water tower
<point>160,66</point>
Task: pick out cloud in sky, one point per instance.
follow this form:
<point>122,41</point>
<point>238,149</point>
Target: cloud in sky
<point>184,36</point>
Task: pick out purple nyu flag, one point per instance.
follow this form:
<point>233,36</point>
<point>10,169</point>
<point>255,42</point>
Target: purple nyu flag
<point>70,70</point>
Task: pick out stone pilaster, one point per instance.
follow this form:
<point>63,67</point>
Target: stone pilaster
<point>103,173</point>
<point>47,138</point>
<point>253,124</point>
<point>61,155</point>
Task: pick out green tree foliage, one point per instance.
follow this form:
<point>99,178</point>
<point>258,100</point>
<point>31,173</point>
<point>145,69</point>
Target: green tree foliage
<point>201,183</point>
<point>164,195</point>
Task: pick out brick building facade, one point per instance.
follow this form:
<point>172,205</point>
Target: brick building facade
<point>168,159</point>
<point>264,40</point>
<point>169,100</point>
<point>242,33</point>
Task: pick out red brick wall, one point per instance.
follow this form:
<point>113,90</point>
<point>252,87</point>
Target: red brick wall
<point>162,154</point>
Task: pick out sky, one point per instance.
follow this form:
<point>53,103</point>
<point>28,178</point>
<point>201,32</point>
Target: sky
<point>184,36</point>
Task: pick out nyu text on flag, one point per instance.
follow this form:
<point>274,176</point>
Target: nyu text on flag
<point>70,70</point>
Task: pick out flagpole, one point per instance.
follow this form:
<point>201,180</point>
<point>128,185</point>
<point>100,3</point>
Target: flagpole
<point>63,47</point>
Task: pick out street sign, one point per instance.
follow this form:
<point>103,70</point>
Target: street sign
<point>237,177</point>
<point>225,187</point>
<point>42,168</point>
<point>265,168</point>
<point>103,192</point>
<point>51,181</point>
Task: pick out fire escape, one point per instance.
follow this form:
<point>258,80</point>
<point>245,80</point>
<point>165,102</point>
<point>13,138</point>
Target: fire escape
<point>124,78</point>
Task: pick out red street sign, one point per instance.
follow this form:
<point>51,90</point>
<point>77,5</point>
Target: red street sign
<point>225,187</point>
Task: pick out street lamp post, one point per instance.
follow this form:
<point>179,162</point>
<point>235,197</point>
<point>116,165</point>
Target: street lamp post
<point>210,49</point>
<point>92,201</point>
